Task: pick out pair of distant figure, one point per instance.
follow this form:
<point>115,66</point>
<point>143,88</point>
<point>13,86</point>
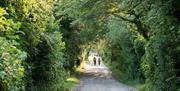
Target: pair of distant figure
<point>99,61</point>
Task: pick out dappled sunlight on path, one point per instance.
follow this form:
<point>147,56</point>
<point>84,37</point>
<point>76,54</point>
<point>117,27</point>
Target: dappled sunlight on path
<point>99,78</point>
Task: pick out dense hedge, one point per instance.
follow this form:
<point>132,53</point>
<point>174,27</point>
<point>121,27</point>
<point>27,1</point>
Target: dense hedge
<point>31,47</point>
<point>149,47</point>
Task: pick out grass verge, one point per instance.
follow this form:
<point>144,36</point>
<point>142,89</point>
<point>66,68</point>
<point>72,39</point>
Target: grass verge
<point>71,82</point>
<point>117,74</point>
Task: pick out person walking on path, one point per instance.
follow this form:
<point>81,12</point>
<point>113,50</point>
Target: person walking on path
<point>99,61</point>
<point>94,59</point>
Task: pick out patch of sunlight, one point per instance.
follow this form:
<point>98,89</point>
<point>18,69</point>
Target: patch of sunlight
<point>71,83</point>
<point>81,67</point>
<point>73,79</point>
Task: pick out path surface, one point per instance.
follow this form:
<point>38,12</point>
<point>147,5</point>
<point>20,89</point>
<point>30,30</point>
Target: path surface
<point>98,78</point>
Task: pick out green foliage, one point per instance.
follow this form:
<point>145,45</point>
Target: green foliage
<point>12,57</point>
<point>159,60</point>
<point>72,41</point>
<point>8,26</point>
<point>124,47</point>
<point>11,66</point>
<point>58,60</point>
<point>28,29</point>
<point>49,74</point>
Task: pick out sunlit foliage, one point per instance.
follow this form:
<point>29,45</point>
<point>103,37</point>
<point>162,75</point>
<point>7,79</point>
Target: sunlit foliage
<point>31,52</point>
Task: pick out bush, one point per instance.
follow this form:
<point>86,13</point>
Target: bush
<point>11,66</point>
<point>48,66</point>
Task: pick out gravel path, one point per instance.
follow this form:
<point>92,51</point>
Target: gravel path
<point>98,78</point>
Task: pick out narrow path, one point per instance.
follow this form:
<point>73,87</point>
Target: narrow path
<point>99,78</point>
